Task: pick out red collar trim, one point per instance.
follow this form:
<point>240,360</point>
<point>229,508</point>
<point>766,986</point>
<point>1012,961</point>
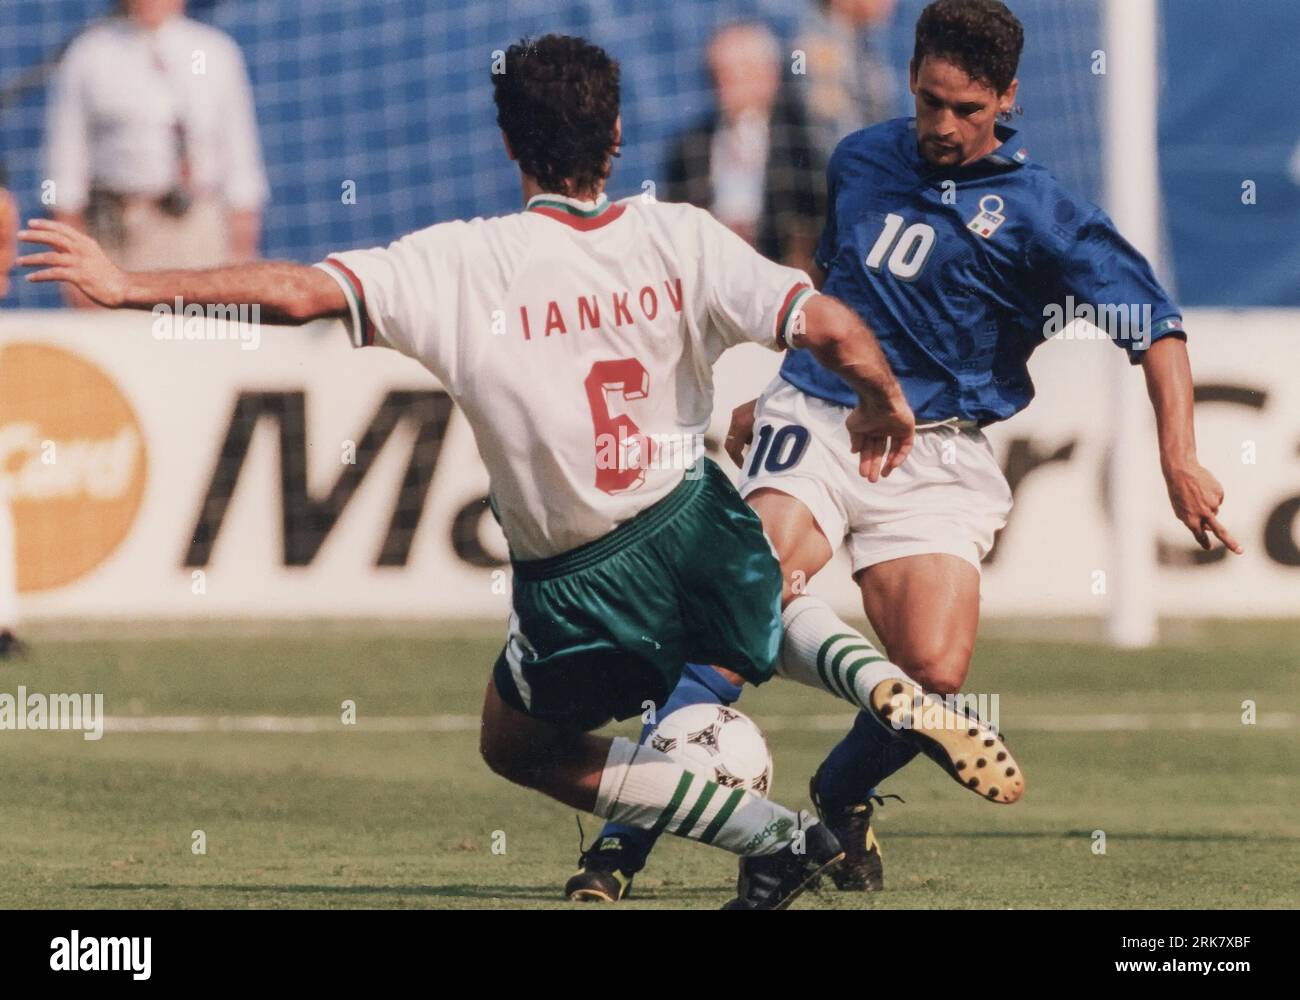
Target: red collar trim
<point>581,223</point>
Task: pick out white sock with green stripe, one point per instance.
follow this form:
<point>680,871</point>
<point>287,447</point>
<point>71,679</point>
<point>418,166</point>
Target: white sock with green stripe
<point>821,651</point>
<point>643,787</point>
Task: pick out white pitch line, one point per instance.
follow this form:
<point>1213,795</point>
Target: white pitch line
<point>309,724</point>
<point>1187,721</point>
<point>288,724</point>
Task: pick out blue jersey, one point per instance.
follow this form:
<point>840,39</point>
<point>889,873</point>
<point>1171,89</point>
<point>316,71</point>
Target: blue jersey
<point>962,272</point>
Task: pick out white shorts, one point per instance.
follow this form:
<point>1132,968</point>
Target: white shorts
<point>949,496</point>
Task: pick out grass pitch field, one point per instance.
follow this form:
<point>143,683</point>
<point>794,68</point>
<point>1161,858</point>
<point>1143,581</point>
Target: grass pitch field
<point>1198,810</point>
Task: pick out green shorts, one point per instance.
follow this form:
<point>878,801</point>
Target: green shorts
<point>604,630</point>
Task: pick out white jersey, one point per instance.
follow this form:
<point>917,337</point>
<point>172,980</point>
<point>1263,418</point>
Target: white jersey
<point>578,338</point>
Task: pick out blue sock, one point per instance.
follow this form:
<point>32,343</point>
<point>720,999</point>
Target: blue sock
<point>699,685</point>
<point>863,759</point>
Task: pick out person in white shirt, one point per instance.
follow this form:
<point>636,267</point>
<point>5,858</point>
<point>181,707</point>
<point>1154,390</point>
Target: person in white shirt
<point>578,337</point>
<point>752,162</point>
<point>152,141</point>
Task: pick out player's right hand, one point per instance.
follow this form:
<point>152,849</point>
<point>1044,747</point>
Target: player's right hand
<point>741,431</point>
<point>74,258</point>
<point>1196,497</point>
<point>881,435</point>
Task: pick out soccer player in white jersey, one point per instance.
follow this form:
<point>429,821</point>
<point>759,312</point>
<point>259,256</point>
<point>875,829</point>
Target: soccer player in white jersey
<point>631,554</point>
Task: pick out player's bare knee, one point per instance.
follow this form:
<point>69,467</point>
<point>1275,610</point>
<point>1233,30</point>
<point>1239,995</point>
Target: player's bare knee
<point>492,753</point>
<point>945,683</point>
<point>506,762</point>
<point>517,761</point>
<point>940,671</point>
<point>501,754</point>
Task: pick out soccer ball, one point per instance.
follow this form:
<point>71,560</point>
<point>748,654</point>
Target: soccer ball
<point>717,743</point>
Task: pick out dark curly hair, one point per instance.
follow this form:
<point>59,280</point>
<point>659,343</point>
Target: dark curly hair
<point>557,103</point>
<point>982,37</point>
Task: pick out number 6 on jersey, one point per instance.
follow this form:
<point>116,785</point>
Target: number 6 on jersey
<point>623,453</point>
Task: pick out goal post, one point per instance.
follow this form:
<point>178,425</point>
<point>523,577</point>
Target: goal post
<point>1131,195</point>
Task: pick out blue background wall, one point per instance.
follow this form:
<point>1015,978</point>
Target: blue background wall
<point>394,95</point>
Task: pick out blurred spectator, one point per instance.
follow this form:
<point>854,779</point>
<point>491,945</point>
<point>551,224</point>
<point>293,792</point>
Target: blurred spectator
<point>153,144</point>
<point>752,164</point>
<point>848,83</point>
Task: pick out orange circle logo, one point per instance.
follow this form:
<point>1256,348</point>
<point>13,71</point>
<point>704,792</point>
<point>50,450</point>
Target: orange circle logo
<point>72,463</point>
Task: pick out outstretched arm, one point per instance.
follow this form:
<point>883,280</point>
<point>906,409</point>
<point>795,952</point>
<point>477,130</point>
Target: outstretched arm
<point>1193,491</point>
<point>8,231</point>
<point>285,293</point>
<point>882,427</point>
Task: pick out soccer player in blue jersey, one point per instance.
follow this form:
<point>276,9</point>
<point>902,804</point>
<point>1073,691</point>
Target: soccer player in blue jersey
<point>953,247</point>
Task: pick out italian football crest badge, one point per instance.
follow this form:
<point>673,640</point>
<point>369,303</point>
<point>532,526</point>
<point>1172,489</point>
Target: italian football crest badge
<point>989,218</point>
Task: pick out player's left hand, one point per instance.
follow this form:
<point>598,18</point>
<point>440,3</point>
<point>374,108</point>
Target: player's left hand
<point>75,258</point>
<point>8,232</point>
<point>881,436</point>
<point>741,431</point>
<point>1196,497</point>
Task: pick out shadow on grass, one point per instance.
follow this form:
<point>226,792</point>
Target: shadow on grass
<point>548,893</point>
<point>1208,838</point>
